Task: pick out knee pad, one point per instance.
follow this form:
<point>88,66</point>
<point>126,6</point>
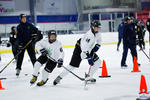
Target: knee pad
<point>95,67</point>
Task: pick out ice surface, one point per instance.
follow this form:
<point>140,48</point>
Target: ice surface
<point>123,84</point>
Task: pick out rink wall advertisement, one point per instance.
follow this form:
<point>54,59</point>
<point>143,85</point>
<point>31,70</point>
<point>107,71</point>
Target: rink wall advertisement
<point>7,6</point>
<point>59,7</point>
<point>53,6</point>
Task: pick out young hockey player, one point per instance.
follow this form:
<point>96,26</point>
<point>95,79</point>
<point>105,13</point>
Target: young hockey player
<point>140,35</point>
<point>85,48</point>
<point>13,41</point>
<point>51,55</point>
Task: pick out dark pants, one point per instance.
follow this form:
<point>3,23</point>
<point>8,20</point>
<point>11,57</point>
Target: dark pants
<point>50,65</point>
<point>31,54</point>
<point>14,51</point>
<point>119,41</point>
<point>76,57</point>
<point>125,52</point>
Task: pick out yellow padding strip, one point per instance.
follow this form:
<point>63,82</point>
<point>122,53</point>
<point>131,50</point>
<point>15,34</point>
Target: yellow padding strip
<point>69,46</point>
<point>5,51</point>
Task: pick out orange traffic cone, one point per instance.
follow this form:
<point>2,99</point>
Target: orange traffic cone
<point>143,90</point>
<point>104,70</point>
<point>143,86</point>
<point>1,88</point>
<point>135,66</point>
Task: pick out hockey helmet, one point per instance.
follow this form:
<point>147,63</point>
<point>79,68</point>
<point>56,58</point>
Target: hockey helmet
<point>95,23</point>
<point>52,32</point>
<point>127,18</point>
<point>13,28</point>
<point>22,15</point>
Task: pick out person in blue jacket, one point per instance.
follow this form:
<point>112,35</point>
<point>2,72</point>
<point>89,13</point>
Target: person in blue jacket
<point>120,34</point>
<point>26,32</point>
<point>129,41</point>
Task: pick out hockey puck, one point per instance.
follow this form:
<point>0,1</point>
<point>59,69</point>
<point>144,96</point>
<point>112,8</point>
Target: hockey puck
<point>26,74</point>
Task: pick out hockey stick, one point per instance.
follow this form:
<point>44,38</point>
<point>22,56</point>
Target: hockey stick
<point>145,53</point>
<point>82,79</point>
<point>87,75</point>
<point>15,56</point>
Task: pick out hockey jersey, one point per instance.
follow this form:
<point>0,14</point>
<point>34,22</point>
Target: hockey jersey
<point>54,49</point>
<point>88,42</point>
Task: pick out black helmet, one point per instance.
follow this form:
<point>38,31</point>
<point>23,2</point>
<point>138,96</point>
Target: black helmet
<point>127,18</point>
<point>52,32</point>
<point>22,15</point>
<point>95,23</point>
<point>13,28</point>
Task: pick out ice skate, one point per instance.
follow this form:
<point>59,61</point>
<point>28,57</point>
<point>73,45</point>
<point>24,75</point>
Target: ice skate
<point>33,80</point>
<point>57,80</point>
<point>41,83</point>
<point>18,72</point>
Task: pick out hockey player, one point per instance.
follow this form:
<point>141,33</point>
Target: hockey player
<point>129,41</point>
<point>140,35</point>
<point>85,48</point>
<point>51,55</point>
<point>13,41</point>
<point>0,45</point>
<point>26,32</point>
<point>120,34</point>
<point>148,25</point>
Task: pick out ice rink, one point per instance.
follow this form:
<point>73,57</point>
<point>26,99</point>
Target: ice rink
<point>122,85</point>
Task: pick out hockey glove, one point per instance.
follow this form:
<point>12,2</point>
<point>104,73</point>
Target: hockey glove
<point>90,61</point>
<point>44,51</point>
<point>95,49</point>
<point>34,37</point>
<point>89,58</point>
<point>60,63</point>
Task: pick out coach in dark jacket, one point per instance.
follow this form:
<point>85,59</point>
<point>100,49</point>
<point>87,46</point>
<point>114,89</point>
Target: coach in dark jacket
<point>129,41</point>
<point>26,32</point>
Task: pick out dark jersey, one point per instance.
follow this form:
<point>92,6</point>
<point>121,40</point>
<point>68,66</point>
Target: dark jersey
<point>25,31</point>
<point>13,38</point>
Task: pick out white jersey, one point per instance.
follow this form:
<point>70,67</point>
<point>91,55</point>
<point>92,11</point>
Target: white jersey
<point>88,42</point>
<point>54,49</point>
